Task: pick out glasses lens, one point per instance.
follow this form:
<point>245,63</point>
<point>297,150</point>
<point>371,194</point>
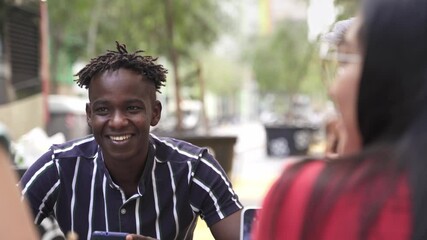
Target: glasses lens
<point>332,60</point>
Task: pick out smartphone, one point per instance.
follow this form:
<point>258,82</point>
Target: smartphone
<point>100,235</point>
<point>247,221</point>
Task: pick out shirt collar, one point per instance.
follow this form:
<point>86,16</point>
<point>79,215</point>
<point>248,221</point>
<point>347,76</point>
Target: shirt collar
<point>146,175</point>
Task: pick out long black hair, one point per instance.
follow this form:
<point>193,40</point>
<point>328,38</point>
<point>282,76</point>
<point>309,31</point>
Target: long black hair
<point>392,119</point>
<point>394,80</point>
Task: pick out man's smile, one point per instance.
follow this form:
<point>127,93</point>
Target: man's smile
<point>120,138</point>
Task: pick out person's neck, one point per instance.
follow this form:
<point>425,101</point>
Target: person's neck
<point>126,174</point>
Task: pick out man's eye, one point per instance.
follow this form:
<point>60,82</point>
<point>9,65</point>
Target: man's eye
<point>134,108</point>
<point>101,110</point>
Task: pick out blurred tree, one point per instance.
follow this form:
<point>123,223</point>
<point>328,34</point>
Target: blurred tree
<point>346,8</point>
<point>280,60</point>
<point>67,34</point>
<point>312,83</point>
<point>212,74</point>
<point>223,75</point>
<point>168,28</point>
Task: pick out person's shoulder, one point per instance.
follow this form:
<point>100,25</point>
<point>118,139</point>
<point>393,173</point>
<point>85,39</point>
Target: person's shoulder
<point>81,147</point>
<point>288,197</point>
<point>304,171</point>
<point>298,176</point>
<point>169,148</point>
<point>304,165</point>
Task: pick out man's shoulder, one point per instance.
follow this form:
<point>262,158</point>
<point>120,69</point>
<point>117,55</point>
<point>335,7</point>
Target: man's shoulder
<point>82,147</point>
<point>169,148</point>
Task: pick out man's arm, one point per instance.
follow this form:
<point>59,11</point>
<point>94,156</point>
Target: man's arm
<point>213,194</point>
<point>227,228</point>
<point>39,186</point>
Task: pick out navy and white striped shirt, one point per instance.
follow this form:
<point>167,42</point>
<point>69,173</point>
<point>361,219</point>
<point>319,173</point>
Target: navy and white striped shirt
<point>180,182</point>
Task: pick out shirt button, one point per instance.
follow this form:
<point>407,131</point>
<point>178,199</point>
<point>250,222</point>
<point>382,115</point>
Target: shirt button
<point>123,211</point>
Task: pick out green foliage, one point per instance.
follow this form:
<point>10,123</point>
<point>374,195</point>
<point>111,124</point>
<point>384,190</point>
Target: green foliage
<point>138,24</point>
<point>280,60</point>
<point>312,83</point>
<point>67,21</point>
<point>346,8</point>
<point>222,76</point>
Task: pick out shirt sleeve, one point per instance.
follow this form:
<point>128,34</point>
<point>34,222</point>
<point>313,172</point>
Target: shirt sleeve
<point>212,193</point>
<point>40,185</point>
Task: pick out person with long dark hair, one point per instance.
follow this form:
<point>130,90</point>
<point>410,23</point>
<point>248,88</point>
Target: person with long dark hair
<point>379,189</point>
<point>337,56</point>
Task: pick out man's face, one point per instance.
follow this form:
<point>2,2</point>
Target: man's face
<point>121,110</point>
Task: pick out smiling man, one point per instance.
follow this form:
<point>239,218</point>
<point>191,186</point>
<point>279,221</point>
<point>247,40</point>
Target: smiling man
<point>123,178</point>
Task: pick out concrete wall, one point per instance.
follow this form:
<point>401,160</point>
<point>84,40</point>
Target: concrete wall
<point>23,115</point>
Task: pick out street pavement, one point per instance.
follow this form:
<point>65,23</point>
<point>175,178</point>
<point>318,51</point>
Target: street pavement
<point>253,171</point>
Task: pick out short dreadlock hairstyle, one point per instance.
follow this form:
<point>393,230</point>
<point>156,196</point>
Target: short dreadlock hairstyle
<point>114,60</point>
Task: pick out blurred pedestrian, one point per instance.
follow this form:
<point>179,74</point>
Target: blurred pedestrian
<point>380,191</point>
<point>123,178</point>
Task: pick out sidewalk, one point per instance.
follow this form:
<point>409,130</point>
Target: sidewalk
<point>253,171</point>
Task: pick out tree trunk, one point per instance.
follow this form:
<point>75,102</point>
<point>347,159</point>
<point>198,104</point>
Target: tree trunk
<point>174,58</point>
<point>57,43</point>
<point>93,28</point>
<point>205,120</point>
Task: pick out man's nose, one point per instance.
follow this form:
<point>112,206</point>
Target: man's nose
<point>118,120</point>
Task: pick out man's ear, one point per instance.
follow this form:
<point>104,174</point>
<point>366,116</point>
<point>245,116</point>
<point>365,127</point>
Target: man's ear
<point>88,115</point>
<point>157,113</point>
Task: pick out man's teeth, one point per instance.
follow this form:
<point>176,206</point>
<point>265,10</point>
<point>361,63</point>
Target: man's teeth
<point>119,138</point>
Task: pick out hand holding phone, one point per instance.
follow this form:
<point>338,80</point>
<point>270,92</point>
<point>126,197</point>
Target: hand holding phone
<point>100,235</point>
<point>248,219</point>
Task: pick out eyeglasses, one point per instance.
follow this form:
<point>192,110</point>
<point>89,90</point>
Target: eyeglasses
<point>334,61</point>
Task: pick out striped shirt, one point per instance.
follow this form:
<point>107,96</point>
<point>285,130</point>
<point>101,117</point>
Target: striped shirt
<point>180,182</point>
